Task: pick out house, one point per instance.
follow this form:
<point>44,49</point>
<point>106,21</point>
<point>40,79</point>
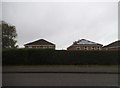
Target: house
<point>41,44</point>
<point>113,46</point>
<point>84,44</point>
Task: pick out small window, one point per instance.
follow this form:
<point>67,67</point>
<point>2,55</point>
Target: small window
<point>50,46</point>
<point>98,48</point>
<point>85,48</point>
<point>93,48</point>
<point>29,46</point>
<point>78,48</point>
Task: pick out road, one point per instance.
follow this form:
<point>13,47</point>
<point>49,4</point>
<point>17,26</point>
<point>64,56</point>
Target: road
<point>60,76</point>
<point>59,79</point>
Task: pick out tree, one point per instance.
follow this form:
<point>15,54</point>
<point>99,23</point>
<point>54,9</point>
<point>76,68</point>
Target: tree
<point>8,36</point>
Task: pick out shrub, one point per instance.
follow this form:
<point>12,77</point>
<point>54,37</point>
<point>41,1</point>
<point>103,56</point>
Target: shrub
<point>58,57</point>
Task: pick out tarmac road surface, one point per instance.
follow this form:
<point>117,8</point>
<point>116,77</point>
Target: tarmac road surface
<point>59,79</point>
<point>76,76</point>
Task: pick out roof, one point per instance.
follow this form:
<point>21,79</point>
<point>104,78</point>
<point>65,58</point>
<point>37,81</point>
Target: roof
<point>40,42</point>
<point>85,42</point>
<point>113,44</point>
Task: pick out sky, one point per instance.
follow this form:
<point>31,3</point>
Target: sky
<point>62,23</point>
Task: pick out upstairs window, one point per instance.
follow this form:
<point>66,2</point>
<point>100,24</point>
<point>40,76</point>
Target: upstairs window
<point>85,48</point>
<point>78,48</point>
<point>93,48</point>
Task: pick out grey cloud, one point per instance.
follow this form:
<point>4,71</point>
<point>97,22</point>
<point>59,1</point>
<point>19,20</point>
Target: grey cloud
<point>63,22</point>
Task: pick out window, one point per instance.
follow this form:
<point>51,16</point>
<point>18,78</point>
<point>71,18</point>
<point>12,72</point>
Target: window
<point>45,47</point>
<point>85,48</point>
<point>50,46</point>
<point>78,48</point>
<point>93,48</point>
<point>98,48</point>
<point>29,46</point>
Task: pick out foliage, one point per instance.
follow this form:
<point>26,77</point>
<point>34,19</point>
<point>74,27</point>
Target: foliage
<point>8,36</point>
<point>58,57</point>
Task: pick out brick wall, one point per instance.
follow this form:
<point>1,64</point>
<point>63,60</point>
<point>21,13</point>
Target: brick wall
<point>84,48</point>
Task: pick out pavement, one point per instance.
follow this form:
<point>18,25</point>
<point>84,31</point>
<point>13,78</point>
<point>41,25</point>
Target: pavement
<point>62,69</point>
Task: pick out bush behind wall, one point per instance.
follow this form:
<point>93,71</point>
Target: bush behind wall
<point>58,57</point>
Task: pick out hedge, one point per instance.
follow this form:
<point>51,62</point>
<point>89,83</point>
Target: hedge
<point>58,57</point>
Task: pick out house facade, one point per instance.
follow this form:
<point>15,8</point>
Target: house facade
<point>40,44</point>
<point>84,44</point>
<point>112,46</point>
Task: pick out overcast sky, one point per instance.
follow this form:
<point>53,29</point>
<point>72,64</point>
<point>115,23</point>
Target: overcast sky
<point>62,23</point>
